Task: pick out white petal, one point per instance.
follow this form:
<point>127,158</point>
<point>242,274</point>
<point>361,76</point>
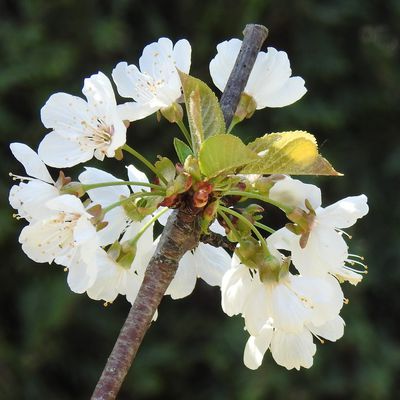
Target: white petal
<point>80,274</point>
<point>133,283</point>
<point>331,330</point>
<point>125,85</point>
<point>211,263</point>
<point>185,278</point>
<point>256,347</point>
<point>84,231</point>
<point>33,165</point>
<point>289,313</point>
<point>30,199</point>
<point>155,55</point>
<point>293,193</point>
<point>163,219</point>
<point>325,251</point>
<point>132,111</point>
<point>216,227</point>
<point>41,240</point>
<point>235,287</point>
<point>99,93</point>
<point>136,175</point>
<point>257,309</point>
<point>117,223</point>
<point>293,350</point>
<point>65,112</point>
<point>108,280</point>
<point>182,55</point>
<point>345,212</point>
<point>67,203</point>
<point>283,239</point>
<point>222,64</point>
<point>103,195</point>
<point>289,93</point>
<point>61,152</point>
<point>323,295</point>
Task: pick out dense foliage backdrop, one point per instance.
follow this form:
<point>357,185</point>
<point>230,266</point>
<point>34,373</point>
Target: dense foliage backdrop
<point>53,343</point>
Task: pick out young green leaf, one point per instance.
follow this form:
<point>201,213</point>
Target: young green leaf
<point>182,150</point>
<point>166,168</point>
<point>204,113</point>
<point>293,153</point>
<point>223,153</point>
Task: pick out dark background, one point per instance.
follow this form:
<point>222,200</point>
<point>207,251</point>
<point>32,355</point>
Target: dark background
<point>54,343</point>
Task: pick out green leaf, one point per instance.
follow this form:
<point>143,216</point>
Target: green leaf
<point>166,168</point>
<point>223,153</point>
<point>293,153</point>
<point>204,113</point>
<point>182,150</point>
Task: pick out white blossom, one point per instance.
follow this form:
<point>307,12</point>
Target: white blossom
<point>325,249</point>
<point>157,84</point>
<point>206,262</point>
<point>282,314</point>
<point>114,278</point>
<point>67,237</point>
<point>30,197</point>
<point>270,83</point>
<point>82,129</point>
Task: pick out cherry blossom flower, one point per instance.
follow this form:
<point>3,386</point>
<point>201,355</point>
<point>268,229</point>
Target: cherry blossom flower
<point>115,278</point>
<point>270,83</point>
<point>82,129</point>
<point>157,84</point>
<point>30,197</point>
<point>325,249</point>
<point>282,314</point>
<point>67,237</point>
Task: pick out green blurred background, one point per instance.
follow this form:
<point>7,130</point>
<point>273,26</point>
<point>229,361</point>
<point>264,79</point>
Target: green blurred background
<point>54,343</point>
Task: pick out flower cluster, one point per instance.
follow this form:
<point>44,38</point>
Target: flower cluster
<point>100,228</point>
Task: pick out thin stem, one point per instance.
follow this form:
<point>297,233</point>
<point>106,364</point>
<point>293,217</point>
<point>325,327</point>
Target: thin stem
<point>184,131</point>
<point>229,223</point>
<point>144,160</point>
<point>147,225</point>
<point>117,183</point>
<point>257,196</point>
<point>250,225</point>
<point>264,227</point>
<point>132,197</point>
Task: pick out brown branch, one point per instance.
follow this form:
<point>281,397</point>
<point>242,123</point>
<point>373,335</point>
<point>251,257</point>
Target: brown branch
<point>180,235</point>
<point>254,37</point>
<point>217,240</point>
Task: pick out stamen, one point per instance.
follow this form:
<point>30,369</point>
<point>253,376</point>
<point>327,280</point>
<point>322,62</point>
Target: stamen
<point>344,233</point>
<point>346,300</point>
<point>356,256</point>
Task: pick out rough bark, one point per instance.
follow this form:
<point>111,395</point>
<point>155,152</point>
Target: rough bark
<point>180,235</point>
<point>254,37</point>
